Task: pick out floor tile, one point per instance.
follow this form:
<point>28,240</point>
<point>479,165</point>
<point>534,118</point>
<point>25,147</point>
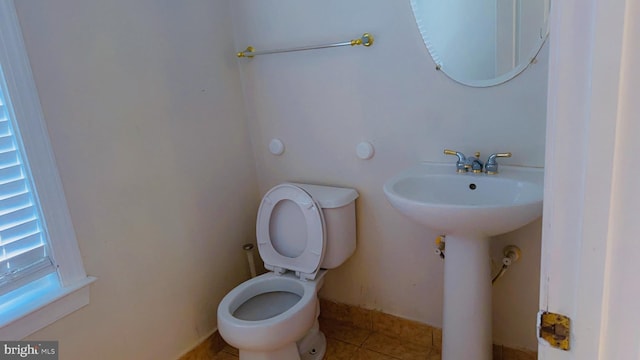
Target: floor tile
<point>402,328</point>
<point>434,356</point>
<point>513,354</point>
<point>342,331</point>
<point>339,350</point>
<point>230,350</point>
<point>224,356</point>
<point>399,348</point>
<point>365,354</point>
<point>203,351</point>
<point>437,338</point>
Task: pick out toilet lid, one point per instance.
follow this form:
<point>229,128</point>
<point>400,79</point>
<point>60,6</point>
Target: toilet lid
<point>290,231</point>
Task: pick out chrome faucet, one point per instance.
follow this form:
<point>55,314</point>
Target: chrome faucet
<point>473,163</point>
<point>491,167</point>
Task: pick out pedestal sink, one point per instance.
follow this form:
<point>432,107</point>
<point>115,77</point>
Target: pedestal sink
<point>468,209</point>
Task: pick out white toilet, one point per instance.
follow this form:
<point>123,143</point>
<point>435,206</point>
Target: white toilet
<point>302,230</point>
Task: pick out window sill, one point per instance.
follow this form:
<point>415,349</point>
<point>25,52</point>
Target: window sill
<point>41,303</point>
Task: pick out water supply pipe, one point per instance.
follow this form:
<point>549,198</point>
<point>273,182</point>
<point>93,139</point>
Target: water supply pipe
<point>248,249</point>
<point>511,254</point>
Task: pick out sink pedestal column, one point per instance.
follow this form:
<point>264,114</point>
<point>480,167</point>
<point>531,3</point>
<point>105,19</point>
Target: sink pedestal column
<point>467,299</point>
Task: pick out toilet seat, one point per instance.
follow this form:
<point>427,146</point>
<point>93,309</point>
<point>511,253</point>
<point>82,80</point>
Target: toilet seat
<point>302,253</point>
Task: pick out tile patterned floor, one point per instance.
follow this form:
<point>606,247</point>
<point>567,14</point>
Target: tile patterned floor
<point>355,333</point>
<point>345,342</point>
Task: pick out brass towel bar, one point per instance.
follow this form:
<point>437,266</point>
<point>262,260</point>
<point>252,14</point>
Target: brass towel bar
<point>366,40</point>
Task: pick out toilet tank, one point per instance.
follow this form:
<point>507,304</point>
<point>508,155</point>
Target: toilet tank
<point>339,211</point>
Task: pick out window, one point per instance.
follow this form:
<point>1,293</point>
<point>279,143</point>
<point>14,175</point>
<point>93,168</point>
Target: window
<point>24,254</point>
<point>42,277</point>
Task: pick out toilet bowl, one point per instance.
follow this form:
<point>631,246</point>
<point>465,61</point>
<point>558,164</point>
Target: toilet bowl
<point>269,312</point>
<point>302,230</point>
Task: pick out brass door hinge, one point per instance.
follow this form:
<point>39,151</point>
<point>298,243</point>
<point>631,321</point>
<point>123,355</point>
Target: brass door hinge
<point>555,329</point>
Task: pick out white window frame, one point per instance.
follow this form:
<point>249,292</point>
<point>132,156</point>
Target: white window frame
<point>44,301</point>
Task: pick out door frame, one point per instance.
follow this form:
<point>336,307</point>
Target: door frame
<point>585,112</point>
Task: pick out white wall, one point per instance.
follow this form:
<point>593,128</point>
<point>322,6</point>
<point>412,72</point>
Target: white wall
<point>144,108</point>
<point>322,103</point>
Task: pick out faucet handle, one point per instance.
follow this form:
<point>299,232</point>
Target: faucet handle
<point>491,166</point>
<point>453,152</point>
<point>499,155</point>
<point>461,165</point>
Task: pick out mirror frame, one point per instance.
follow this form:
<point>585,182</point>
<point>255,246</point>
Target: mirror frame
<point>484,82</point>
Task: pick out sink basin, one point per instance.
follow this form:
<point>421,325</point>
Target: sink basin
<point>434,195</point>
<point>468,209</point>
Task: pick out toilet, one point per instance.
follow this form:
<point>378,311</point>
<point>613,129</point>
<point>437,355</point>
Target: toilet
<point>302,230</point>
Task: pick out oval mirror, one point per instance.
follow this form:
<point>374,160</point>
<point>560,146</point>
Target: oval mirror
<point>482,42</point>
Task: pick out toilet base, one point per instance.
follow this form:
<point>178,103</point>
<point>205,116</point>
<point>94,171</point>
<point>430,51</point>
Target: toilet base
<point>314,345</point>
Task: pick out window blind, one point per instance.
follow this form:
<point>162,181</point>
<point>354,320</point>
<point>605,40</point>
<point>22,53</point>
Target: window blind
<point>24,254</point>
